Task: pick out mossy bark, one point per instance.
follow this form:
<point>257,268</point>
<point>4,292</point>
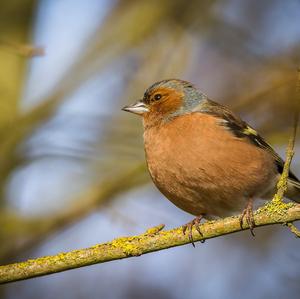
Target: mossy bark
<point>125,247</point>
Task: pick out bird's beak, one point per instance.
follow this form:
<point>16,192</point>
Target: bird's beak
<point>137,108</point>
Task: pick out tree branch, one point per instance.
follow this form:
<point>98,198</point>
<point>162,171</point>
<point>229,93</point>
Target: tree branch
<point>125,247</point>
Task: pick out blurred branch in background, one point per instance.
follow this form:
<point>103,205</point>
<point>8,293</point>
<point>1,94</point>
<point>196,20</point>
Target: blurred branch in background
<point>18,234</point>
<point>25,50</point>
<point>15,25</point>
<point>97,55</point>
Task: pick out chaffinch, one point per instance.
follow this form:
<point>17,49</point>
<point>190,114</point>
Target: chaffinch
<point>203,157</point>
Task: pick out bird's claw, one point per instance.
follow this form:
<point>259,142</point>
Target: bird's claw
<point>248,214</point>
<point>189,226</point>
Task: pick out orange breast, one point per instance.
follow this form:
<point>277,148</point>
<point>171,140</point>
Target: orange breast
<point>203,168</point>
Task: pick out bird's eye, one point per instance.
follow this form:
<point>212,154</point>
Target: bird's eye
<point>157,97</point>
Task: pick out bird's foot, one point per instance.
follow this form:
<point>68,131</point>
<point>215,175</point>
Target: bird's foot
<point>189,226</point>
<point>248,214</point>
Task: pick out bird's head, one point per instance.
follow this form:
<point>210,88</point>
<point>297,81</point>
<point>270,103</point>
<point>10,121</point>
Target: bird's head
<point>166,99</point>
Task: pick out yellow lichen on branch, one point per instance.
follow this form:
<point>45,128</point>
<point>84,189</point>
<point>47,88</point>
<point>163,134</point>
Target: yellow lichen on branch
<point>126,247</point>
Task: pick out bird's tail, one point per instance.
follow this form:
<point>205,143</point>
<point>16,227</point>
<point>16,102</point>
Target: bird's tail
<point>293,191</point>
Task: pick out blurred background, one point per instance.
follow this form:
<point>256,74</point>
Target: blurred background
<point>72,170</point>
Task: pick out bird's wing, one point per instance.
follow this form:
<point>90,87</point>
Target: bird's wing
<point>242,130</point>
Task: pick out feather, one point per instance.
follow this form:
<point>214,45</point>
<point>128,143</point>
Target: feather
<point>242,130</point>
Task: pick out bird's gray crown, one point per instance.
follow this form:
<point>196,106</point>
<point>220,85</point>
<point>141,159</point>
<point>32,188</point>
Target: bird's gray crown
<point>192,96</point>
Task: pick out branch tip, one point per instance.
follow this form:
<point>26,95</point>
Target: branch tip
<point>293,229</point>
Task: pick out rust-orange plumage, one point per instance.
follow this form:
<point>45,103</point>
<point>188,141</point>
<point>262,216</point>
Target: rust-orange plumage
<point>202,157</point>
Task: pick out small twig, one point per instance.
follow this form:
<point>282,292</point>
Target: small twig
<point>25,50</point>
<point>154,230</point>
<point>277,206</point>
<point>293,229</point>
<point>283,182</point>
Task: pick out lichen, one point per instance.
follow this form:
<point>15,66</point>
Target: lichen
<point>129,245</point>
<point>275,208</point>
<point>154,230</point>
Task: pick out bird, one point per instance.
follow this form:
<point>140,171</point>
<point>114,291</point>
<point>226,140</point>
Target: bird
<point>203,157</point>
